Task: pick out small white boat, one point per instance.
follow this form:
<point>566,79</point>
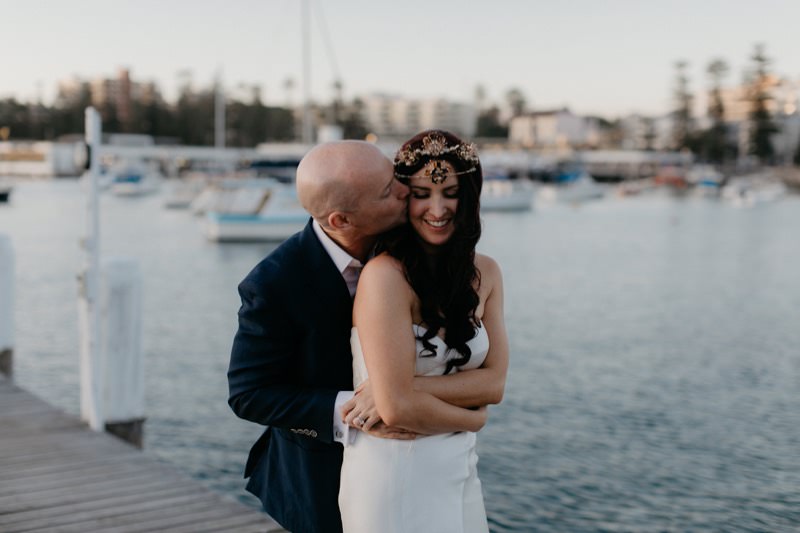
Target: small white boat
<point>181,193</point>
<point>266,211</point>
<point>506,195</point>
<point>134,179</point>
<point>753,190</point>
<point>705,180</point>
<point>230,195</point>
<point>634,187</point>
<point>582,189</point>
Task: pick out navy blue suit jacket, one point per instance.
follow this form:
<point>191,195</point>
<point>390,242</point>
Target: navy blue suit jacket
<point>290,357</point>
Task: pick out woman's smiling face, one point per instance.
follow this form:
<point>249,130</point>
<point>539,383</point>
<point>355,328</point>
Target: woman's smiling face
<point>432,206</point>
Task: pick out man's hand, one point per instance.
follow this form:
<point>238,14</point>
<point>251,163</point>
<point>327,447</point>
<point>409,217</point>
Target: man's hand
<point>383,431</point>
<point>360,413</point>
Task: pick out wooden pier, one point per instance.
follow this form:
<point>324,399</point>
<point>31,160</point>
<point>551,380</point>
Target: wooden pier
<point>56,475</point>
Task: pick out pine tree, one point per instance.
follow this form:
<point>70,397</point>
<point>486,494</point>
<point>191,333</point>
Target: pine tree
<point>715,145</point>
<point>516,102</point>
<point>682,114</point>
<point>762,126</point>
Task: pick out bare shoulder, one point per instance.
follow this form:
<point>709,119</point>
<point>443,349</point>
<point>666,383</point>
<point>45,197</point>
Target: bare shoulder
<point>383,265</point>
<point>383,284</point>
<point>384,271</point>
<point>489,269</point>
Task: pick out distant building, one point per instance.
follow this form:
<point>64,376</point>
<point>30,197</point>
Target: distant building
<point>116,95</point>
<point>638,132</point>
<point>399,117</point>
<point>40,158</point>
<point>555,129</point>
<point>72,92</point>
<point>459,118</point>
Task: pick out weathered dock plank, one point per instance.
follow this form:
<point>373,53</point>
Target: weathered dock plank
<point>57,475</point>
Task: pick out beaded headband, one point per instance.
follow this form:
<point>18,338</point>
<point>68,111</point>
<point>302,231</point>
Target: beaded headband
<point>435,145</point>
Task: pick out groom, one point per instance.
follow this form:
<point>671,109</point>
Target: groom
<point>291,354</point>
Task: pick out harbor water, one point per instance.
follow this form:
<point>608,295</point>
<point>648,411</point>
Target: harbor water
<point>655,353</point>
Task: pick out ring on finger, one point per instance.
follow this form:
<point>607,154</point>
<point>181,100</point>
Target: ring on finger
<point>359,421</point>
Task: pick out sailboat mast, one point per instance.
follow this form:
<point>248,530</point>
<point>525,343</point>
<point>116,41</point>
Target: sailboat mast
<point>307,128</point>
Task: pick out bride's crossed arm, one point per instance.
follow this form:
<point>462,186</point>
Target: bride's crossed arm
<point>382,313</point>
<point>484,385</point>
<point>470,388</point>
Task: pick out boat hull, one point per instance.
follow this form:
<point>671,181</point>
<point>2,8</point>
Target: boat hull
<point>506,196</point>
<point>243,228</point>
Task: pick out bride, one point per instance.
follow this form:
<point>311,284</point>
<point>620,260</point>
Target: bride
<point>429,353</point>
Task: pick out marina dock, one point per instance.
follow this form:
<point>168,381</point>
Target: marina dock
<point>58,475</point>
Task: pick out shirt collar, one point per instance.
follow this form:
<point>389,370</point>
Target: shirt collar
<point>340,258</point>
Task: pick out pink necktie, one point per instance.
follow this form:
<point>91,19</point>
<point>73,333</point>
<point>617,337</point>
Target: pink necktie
<point>350,275</point>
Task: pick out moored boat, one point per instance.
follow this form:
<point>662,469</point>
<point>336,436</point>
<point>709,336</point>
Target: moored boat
<point>267,210</point>
<point>580,189</point>
<point>499,193</point>
<point>749,191</point>
<point>134,179</point>
<point>181,193</point>
<point>705,180</point>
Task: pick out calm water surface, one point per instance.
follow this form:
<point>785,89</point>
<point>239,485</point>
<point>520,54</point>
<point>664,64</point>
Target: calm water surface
<point>655,354</point>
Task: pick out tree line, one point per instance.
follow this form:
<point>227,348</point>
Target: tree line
<point>717,143</point>
<point>189,120</point>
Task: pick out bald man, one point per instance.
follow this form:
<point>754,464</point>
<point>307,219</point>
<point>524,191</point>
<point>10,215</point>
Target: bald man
<point>291,361</point>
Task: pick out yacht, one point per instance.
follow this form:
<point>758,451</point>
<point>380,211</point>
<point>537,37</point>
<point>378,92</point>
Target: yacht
<point>134,179</point>
<point>499,193</point>
<point>264,209</point>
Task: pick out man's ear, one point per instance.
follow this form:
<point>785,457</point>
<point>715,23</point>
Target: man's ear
<point>339,221</point>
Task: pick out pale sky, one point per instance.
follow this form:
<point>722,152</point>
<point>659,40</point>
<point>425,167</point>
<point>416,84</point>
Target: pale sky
<point>594,56</point>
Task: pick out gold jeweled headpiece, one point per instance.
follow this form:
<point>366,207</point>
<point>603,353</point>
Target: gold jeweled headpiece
<point>435,145</point>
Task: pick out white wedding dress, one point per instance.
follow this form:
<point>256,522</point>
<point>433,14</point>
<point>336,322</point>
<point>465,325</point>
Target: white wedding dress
<point>426,485</point>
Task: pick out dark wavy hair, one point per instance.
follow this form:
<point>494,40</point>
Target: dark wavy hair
<point>445,283</point>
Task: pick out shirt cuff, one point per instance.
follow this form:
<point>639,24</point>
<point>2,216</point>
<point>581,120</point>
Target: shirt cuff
<point>341,431</point>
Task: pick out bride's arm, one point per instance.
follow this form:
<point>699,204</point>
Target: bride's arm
<point>382,314</point>
<point>484,385</point>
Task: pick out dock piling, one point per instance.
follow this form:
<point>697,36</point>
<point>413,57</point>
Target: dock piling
<point>6,306</point>
<point>120,346</point>
<point>110,315</point>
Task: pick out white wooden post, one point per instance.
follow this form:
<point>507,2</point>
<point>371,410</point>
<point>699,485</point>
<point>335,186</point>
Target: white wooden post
<point>92,371</point>
<point>109,313</point>
<point>120,342</point>
<point>6,306</point>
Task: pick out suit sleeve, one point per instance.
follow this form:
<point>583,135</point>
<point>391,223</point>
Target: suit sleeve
<point>265,365</point>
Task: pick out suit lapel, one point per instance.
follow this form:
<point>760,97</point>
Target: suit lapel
<point>326,276</point>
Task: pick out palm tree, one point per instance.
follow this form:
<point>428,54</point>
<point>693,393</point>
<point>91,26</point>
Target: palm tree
<point>516,101</point>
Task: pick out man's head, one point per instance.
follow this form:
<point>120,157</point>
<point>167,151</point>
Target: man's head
<point>350,190</point>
